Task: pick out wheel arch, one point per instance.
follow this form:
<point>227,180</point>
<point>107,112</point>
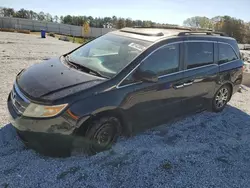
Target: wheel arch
<point>85,122</point>
<point>230,86</point>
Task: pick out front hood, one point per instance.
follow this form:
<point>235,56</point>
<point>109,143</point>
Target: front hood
<point>45,79</point>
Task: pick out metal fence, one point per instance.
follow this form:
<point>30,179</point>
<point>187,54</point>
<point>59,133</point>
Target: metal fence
<point>65,29</point>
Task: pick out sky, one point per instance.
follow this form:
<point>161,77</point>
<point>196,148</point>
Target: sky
<point>162,11</point>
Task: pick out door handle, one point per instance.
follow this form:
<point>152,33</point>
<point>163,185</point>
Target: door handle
<point>178,86</point>
<point>188,83</point>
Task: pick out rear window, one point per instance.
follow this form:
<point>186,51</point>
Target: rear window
<point>226,53</point>
<point>199,54</point>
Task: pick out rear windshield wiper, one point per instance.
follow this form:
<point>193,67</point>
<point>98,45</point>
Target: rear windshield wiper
<point>84,68</point>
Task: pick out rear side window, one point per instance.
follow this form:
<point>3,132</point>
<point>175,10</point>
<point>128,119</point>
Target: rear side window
<point>198,54</point>
<point>226,53</point>
<point>163,61</point>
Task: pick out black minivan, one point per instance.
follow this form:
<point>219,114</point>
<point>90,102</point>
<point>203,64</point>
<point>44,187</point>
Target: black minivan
<point>121,83</point>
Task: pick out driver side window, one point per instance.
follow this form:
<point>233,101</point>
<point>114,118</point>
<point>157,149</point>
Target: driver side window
<point>163,61</point>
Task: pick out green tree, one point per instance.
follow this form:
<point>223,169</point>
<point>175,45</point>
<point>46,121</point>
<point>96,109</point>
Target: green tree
<point>61,19</point>
<point>129,22</point>
<point>107,20</point>
<point>22,13</point>
<point>138,23</point>
<point>8,12</point>
<point>114,21</point>
<point>67,19</point>
<point>56,18</point>
<point>41,16</point>
<point>91,21</point>
<point>32,15</point>
<point>48,17</point>
<point>147,24</point>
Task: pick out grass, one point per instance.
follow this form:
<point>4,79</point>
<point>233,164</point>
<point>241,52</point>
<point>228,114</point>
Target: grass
<point>7,30</point>
<point>79,40</point>
<point>15,30</point>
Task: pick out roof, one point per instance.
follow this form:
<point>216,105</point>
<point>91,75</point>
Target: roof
<point>155,34</point>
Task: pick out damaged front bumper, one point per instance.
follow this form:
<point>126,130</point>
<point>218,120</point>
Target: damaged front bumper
<point>50,136</point>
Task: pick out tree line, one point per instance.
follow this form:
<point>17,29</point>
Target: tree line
<point>233,27</point>
<point>113,21</point>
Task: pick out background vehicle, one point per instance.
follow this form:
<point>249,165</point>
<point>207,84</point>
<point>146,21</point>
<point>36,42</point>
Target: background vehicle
<point>121,83</point>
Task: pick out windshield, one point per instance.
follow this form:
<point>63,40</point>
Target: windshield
<point>108,54</point>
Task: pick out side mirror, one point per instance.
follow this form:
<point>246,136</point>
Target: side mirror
<point>146,76</point>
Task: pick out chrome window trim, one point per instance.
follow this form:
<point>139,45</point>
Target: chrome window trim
<point>134,83</point>
<point>210,65</point>
<point>118,85</point>
<point>228,62</point>
<point>170,74</point>
<point>20,93</point>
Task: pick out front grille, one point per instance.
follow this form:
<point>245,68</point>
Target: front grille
<point>18,100</point>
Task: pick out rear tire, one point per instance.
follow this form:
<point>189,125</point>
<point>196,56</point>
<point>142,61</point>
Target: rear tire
<point>101,135</point>
<point>221,97</point>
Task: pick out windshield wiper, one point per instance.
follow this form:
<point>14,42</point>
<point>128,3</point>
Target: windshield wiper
<point>70,63</point>
<point>84,68</point>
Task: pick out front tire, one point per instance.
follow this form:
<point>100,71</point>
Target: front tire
<point>101,135</point>
<point>221,97</point>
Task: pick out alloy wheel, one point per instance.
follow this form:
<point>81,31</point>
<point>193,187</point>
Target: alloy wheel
<point>221,97</point>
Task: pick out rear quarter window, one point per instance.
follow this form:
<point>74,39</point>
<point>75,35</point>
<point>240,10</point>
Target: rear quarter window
<point>226,53</point>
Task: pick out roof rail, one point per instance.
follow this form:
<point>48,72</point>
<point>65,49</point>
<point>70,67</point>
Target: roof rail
<point>164,27</point>
<point>202,32</point>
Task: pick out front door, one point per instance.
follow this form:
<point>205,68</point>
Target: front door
<point>151,103</point>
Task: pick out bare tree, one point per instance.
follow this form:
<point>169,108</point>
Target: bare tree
<point>199,22</point>
<point>121,23</point>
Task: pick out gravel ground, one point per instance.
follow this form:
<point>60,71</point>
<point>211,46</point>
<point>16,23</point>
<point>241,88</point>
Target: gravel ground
<point>18,51</point>
<point>203,150</point>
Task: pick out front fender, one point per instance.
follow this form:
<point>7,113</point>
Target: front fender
<point>95,104</point>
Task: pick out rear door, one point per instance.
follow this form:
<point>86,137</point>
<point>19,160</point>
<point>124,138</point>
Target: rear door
<point>152,103</point>
<point>200,74</point>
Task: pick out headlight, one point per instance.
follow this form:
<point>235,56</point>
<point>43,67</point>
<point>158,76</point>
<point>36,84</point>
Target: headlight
<point>36,110</point>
